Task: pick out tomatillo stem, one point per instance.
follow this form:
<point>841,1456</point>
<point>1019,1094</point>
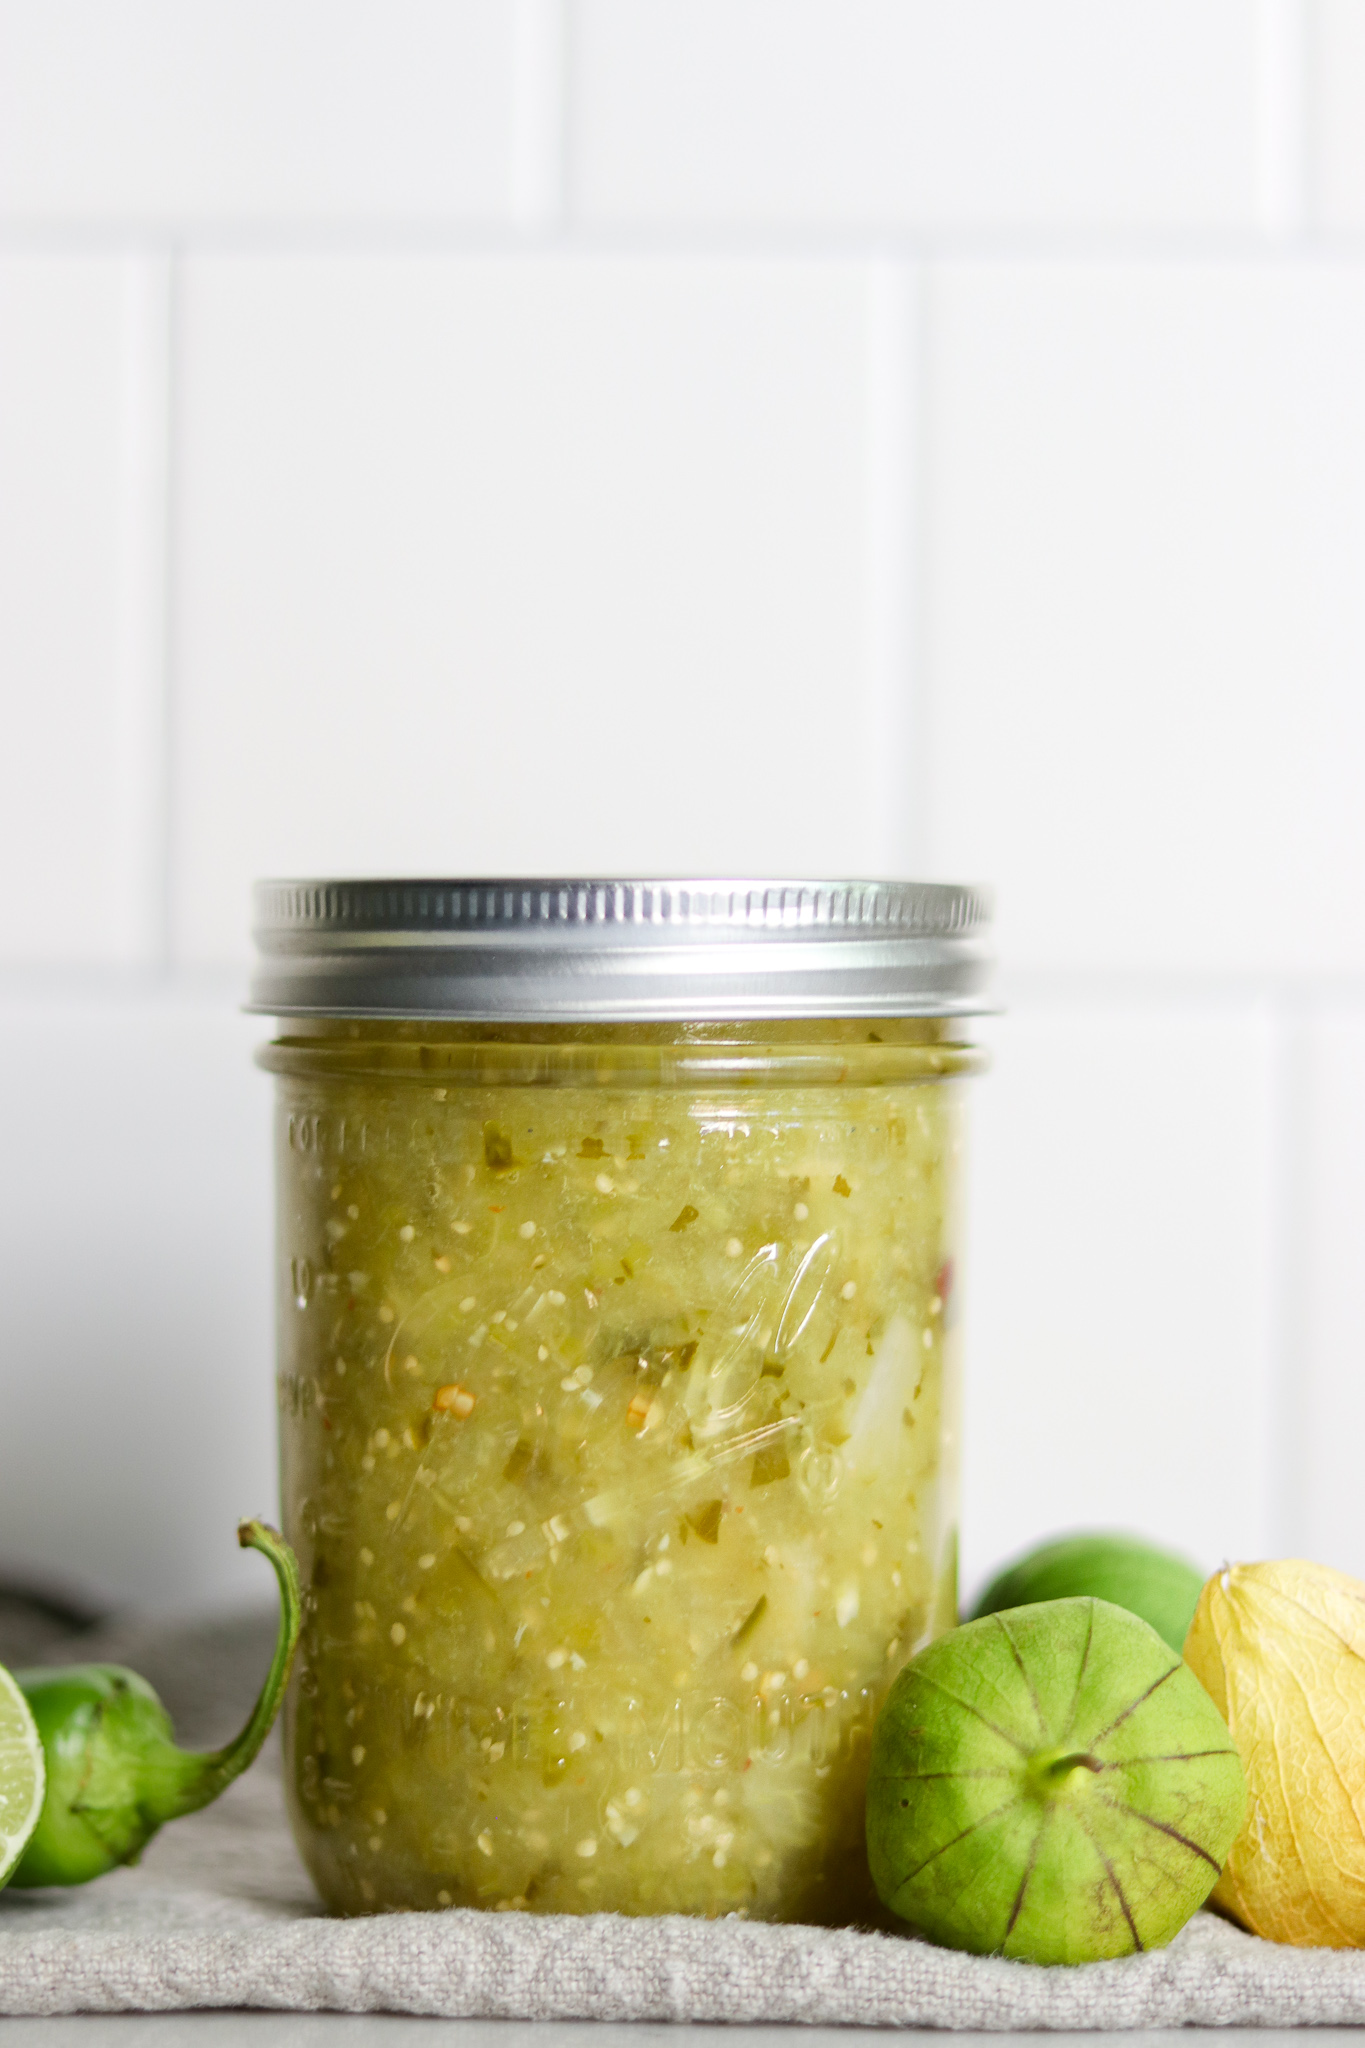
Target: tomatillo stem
<point>114,1773</point>
<point>1055,1772</point>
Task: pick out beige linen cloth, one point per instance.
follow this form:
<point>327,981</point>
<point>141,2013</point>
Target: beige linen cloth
<point>221,1914</point>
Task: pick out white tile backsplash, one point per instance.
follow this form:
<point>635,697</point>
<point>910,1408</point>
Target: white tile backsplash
<point>137,1370</point>
<point>578,588</point>
<point>1061,114</point>
<point>1338,97</point>
<point>1146,618</point>
<point>196,112</point>
<point>818,434</point>
<point>62,495</point>
<point>1119,1372</point>
<point>1327,1356</point>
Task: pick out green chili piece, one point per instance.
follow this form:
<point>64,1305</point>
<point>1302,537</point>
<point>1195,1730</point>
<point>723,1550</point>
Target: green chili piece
<point>114,1773</point>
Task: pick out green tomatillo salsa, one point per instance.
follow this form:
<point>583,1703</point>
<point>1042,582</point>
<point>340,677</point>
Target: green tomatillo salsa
<point>618,1396</point>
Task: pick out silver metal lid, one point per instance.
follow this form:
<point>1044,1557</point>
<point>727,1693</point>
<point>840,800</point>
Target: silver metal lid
<point>550,951</point>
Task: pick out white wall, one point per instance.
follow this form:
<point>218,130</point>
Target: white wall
<point>772,435</point>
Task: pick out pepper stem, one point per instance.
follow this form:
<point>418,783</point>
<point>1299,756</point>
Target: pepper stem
<point>200,1776</point>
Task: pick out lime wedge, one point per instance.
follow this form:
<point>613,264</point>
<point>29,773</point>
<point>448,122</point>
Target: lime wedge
<point>23,1776</point>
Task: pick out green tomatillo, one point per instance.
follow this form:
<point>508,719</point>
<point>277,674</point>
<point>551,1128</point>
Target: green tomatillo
<point>1050,1783</point>
<point>1102,1565</point>
<point>114,1773</point>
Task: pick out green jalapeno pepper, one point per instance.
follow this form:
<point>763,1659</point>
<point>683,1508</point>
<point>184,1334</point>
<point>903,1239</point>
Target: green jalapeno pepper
<point>114,1773</point>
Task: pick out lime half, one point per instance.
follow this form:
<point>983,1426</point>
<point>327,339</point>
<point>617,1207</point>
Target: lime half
<point>23,1777</point>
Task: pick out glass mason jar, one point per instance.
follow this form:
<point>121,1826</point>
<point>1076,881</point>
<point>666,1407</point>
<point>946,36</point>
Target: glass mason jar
<point>618,1364</point>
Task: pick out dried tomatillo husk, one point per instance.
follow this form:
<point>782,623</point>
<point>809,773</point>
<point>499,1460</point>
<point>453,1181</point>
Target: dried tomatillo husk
<point>114,1773</point>
<point>1050,1783</point>
<point>1280,1649</point>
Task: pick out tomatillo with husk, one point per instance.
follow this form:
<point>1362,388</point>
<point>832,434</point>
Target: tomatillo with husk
<point>1050,1783</point>
<point>114,1773</point>
<point>1280,1648</point>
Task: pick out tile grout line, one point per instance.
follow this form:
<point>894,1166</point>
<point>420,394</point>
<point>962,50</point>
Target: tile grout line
<point>1122,987</point>
<point>140,767</point>
<point>895,834</point>
<point>1288,1224</point>
<point>1282,120</point>
<point>538,169</point>
<point>171,607</point>
<point>538,173</point>
<point>918,574</point>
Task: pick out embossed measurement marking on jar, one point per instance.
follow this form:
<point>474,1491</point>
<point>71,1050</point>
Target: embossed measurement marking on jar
<point>313,1132</point>
<point>696,1731</point>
